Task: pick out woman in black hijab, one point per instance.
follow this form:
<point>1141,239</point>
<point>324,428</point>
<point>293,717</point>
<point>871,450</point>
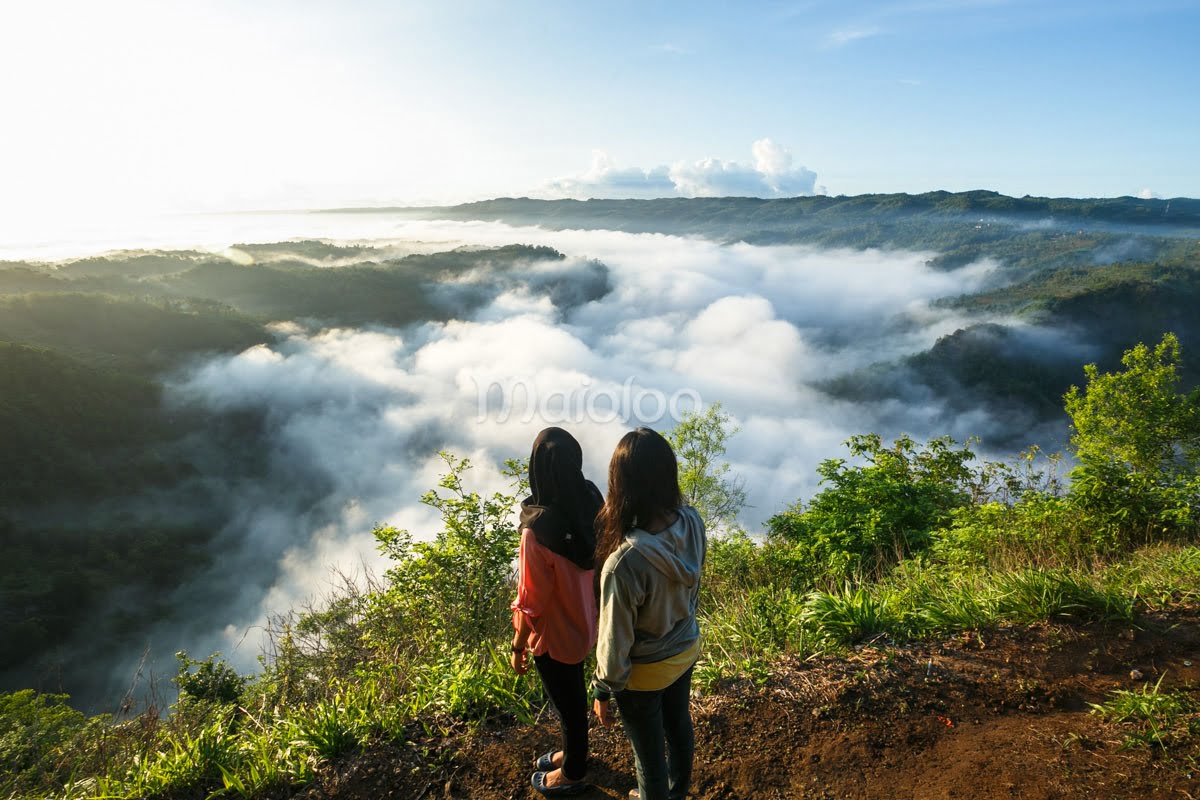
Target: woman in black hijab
<point>554,614</point>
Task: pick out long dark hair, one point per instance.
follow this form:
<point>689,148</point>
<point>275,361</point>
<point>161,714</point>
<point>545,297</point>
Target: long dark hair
<point>643,483</point>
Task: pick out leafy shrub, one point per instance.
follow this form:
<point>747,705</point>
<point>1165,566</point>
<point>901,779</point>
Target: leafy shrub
<point>869,517</point>
<point>36,731</point>
<point>1126,508</point>
<point>732,564</point>
<point>737,564</point>
<point>1137,440</point>
<point>211,680</point>
<point>449,595</point>
<point>1136,418</point>
<point>456,588</point>
<point>1037,528</point>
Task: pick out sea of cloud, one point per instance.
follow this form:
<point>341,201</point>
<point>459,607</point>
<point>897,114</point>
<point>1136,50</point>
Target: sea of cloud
<point>356,416</point>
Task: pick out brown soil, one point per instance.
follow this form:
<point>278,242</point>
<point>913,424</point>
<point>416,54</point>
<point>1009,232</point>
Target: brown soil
<point>1002,715</point>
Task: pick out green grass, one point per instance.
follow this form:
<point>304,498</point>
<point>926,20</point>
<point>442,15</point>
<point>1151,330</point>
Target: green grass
<point>851,614</point>
<point>1035,595</point>
<point>1158,577</point>
<point>1152,717</point>
<point>744,632</point>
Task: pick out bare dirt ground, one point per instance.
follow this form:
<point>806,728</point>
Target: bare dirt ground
<point>1001,715</point>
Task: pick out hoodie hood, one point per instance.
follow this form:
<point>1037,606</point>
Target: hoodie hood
<point>678,550</point>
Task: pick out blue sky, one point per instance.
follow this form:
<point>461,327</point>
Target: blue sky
<point>181,106</point>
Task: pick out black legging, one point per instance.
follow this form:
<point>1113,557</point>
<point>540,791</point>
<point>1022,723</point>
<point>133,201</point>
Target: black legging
<point>567,691</point>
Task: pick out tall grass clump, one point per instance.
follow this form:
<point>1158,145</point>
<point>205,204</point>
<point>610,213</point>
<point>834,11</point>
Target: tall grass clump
<point>1158,576</point>
<point>850,614</point>
<point>1037,595</point>
<point>744,633</point>
<point>932,599</point>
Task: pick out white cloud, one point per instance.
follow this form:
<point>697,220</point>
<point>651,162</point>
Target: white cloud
<point>1147,194</point>
<point>605,179</point>
<point>845,36</point>
<point>771,175</point>
<point>774,163</point>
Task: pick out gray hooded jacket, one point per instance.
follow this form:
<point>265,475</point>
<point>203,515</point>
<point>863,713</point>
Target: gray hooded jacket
<point>649,587</point>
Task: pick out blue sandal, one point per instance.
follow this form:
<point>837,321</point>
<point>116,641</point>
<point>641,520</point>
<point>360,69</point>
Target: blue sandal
<point>538,779</point>
<point>545,762</point>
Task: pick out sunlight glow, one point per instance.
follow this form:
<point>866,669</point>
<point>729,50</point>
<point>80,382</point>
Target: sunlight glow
<point>129,108</point>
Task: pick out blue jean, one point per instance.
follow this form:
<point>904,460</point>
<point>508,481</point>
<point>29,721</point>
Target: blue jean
<point>659,727</point>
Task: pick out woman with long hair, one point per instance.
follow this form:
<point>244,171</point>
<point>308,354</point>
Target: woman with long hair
<point>554,613</point>
<point>651,548</point>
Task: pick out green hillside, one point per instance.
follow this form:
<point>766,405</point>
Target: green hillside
<point>68,428</point>
<point>190,301</point>
<point>127,333</point>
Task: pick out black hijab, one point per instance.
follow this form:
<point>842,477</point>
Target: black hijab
<point>561,511</point>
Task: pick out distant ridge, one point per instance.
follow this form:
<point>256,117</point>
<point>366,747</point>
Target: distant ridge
<point>1176,212</point>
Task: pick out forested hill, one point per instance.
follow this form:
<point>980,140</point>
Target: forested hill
<point>1158,212</point>
<point>876,217</point>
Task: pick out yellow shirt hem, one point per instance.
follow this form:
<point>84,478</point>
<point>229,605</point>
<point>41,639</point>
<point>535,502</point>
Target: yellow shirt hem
<point>661,674</point>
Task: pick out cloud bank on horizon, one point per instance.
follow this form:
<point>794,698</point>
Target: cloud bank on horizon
<point>770,175</point>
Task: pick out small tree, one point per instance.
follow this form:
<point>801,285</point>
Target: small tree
<point>442,601</point>
<point>1136,418</point>
<point>456,588</point>
<point>1137,439</point>
<point>699,442</point>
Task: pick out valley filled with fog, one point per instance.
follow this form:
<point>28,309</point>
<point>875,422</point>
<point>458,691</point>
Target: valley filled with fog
<point>361,412</point>
<point>344,351</point>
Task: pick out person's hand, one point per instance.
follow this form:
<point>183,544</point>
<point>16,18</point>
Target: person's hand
<point>520,662</point>
<point>602,712</point>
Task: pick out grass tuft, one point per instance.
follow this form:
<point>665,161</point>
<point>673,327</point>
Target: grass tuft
<point>850,615</point>
<point>1154,718</point>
